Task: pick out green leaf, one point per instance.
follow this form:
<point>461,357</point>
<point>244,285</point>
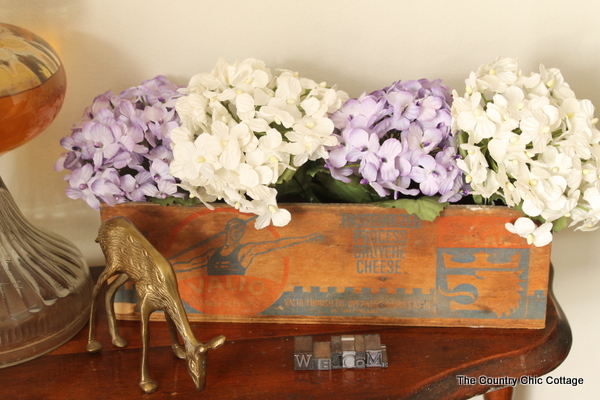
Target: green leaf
<point>462,138</point>
<point>560,223</point>
<point>315,168</point>
<point>287,175</point>
<point>495,199</point>
<point>426,208</point>
<point>478,199</point>
<point>169,201</point>
<point>332,190</point>
<point>296,187</point>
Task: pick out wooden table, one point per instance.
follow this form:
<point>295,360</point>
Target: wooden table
<point>256,362</point>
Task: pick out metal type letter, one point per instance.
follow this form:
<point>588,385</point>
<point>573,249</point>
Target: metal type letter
<point>303,352</point>
<point>345,351</point>
<point>129,255</point>
<point>373,350</point>
<point>336,352</point>
<point>303,361</point>
<point>373,358</point>
<point>322,355</point>
<point>384,358</point>
<point>359,347</point>
<point>348,352</point>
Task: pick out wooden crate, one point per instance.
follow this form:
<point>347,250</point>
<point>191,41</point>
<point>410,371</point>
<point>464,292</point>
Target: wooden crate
<point>347,264</point>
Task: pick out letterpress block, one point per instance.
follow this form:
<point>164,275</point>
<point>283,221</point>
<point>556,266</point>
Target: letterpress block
<point>303,352</point>
<point>372,342</point>
<point>359,347</point>
<point>373,351</point>
<point>321,355</point>
<point>348,351</point>
<point>336,352</point>
<point>384,358</point>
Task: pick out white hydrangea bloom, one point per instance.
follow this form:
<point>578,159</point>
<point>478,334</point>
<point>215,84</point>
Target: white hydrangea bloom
<point>243,127</point>
<point>498,75</point>
<point>538,236</point>
<point>269,212</point>
<point>527,140</point>
<point>471,116</point>
<point>588,218</point>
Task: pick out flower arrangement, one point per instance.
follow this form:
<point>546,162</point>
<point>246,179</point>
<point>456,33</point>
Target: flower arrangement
<point>245,129</point>
<point>252,137</point>
<point>120,150</point>
<point>397,142</point>
<point>530,144</point>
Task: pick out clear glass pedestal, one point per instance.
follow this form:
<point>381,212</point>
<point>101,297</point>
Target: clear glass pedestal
<point>45,287</point>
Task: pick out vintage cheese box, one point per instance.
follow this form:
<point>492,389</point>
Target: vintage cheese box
<point>347,264</point>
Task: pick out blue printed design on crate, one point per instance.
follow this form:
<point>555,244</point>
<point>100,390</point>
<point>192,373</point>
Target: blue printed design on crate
<point>354,302</point>
<point>536,305</point>
<point>483,283</point>
<point>231,255</point>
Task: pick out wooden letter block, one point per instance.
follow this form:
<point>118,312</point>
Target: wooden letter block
<point>321,355</point>
<point>384,358</point>
<point>373,351</point>
<point>303,352</point>
<point>348,351</point>
<point>359,347</point>
<point>336,352</point>
<point>345,351</point>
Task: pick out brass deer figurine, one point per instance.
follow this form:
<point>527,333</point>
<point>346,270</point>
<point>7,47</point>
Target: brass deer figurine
<point>129,255</point>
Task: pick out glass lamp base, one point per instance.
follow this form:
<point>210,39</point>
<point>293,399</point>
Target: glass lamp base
<point>45,287</point>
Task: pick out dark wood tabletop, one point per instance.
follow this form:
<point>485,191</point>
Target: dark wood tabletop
<point>257,362</point>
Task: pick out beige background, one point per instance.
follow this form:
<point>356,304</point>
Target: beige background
<point>360,45</point>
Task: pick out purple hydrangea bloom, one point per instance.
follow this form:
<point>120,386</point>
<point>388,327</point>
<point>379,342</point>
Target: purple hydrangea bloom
<point>120,150</point>
<point>398,141</point>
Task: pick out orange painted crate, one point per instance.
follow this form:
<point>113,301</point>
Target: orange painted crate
<point>347,264</point>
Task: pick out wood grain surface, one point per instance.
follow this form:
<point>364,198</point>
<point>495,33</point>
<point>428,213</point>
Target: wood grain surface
<point>256,362</point>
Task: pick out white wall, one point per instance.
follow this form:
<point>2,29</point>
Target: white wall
<point>360,45</point>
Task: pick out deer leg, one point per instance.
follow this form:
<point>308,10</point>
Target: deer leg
<point>177,348</point>
<point>148,385</point>
<point>93,345</point>
<point>110,310</point>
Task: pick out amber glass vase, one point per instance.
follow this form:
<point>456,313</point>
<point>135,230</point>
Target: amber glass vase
<point>45,284</point>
